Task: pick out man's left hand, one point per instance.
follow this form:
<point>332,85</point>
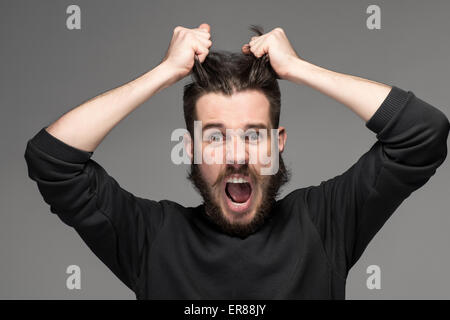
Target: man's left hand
<point>276,44</point>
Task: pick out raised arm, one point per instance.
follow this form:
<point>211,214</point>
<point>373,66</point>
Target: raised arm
<point>86,126</point>
<point>361,95</point>
<point>348,209</point>
<point>116,225</point>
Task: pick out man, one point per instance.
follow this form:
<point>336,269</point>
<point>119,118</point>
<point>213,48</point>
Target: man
<point>241,243</point>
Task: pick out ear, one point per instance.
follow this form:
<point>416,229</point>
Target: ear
<point>188,145</point>
<point>282,136</point>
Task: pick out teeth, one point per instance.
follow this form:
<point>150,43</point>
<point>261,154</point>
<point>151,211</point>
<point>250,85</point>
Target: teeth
<point>236,180</point>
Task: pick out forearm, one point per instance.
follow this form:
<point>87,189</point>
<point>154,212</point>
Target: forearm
<point>85,126</point>
<point>360,95</point>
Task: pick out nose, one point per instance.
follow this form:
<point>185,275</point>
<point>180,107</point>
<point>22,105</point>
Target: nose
<point>236,152</point>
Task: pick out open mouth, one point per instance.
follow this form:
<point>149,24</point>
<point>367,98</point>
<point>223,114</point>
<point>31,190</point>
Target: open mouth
<point>238,192</point>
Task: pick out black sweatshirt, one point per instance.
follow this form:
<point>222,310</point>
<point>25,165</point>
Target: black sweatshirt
<point>163,250</point>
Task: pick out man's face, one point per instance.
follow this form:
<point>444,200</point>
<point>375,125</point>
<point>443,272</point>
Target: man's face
<point>237,196</point>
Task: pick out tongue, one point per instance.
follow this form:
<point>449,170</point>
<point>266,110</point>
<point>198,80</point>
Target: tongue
<point>239,192</point>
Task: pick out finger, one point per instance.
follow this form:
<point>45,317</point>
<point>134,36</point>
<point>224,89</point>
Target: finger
<point>255,47</point>
<point>201,52</point>
<point>202,30</point>
<point>257,50</point>
<point>205,42</point>
<point>205,26</point>
<point>202,33</point>
<point>255,41</point>
<point>246,49</point>
<point>200,47</point>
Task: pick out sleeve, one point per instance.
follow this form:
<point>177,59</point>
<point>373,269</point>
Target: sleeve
<point>116,225</point>
<point>349,209</point>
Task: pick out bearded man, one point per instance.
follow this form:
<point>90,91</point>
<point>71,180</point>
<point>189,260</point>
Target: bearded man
<point>242,242</point>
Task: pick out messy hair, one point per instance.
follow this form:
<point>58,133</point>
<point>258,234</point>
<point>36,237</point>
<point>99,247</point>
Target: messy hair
<point>226,72</point>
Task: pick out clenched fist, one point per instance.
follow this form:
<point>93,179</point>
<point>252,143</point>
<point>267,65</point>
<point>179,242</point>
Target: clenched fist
<point>185,45</point>
<point>280,51</point>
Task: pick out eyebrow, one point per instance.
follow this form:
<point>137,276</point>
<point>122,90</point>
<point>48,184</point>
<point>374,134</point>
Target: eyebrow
<point>221,126</point>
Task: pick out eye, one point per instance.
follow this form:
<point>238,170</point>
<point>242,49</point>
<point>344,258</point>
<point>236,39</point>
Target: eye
<point>215,137</point>
<point>253,136</point>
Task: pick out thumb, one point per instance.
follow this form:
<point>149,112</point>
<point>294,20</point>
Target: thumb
<point>205,26</point>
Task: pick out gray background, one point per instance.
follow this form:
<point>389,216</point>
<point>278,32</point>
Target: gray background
<point>46,70</point>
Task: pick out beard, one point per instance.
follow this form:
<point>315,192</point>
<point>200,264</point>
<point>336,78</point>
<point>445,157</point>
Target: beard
<point>270,186</point>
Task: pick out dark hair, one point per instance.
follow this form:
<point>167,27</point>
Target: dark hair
<point>226,72</point>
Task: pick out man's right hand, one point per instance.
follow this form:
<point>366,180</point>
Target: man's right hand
<point>185,44</point>
<point>86,126</point>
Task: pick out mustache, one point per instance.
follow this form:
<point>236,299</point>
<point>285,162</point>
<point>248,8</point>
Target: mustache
<point>244,169</point>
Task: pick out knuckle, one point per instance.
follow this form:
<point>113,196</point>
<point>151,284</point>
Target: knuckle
<point>177,29</point>
<point>279,30</point>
